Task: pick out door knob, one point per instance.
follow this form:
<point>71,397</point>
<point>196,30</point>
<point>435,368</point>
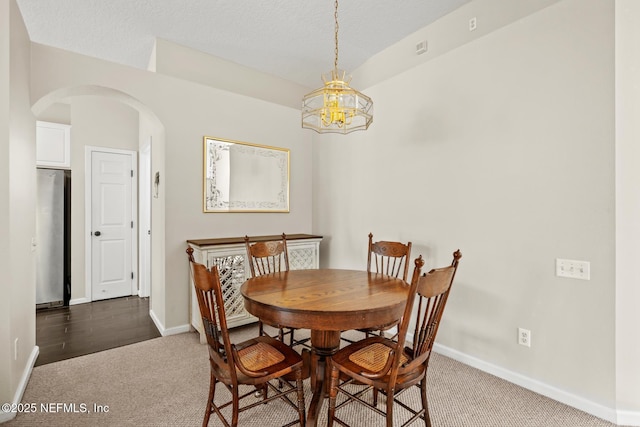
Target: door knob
<point>97,233</point>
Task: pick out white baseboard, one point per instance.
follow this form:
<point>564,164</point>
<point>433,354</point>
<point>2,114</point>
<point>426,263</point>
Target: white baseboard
<point>156,321</point>
<point>6,416</point>
<point>167,331</point>
<point>83,300</point>
<point>175,330</point>
<point>626,418</point>
<point>22,385</point>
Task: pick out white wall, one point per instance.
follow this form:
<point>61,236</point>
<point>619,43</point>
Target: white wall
<point>149,129</point>
<point>57,113</point>
<point>502,147</point>
<point>171,59</point>
<point>17,215</point>
<point>444,35</point>
<point>627,208</point>
<point>6,389</point>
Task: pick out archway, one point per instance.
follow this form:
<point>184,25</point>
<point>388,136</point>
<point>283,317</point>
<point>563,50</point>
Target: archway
<point>150,131</point>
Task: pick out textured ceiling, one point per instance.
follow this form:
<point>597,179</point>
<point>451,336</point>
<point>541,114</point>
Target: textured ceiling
<point>292,39</point>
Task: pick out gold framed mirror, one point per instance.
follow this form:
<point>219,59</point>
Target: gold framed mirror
<point>244,177</point>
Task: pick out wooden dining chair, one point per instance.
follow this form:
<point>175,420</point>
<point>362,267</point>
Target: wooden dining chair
<point>253,363</point>
<point>388,366</point>
<point>392,259</point>
<point>265,258</point>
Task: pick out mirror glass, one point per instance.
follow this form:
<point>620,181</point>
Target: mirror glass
<point>243,177</point>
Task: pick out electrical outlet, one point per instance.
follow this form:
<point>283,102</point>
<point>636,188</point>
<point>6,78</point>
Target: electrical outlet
<point>421,47</point>
<point>473,24</point>
<point>524,337</point>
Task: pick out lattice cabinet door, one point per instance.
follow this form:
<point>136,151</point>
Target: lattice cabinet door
<point>233,265</point>
<point>303,255</point>
<point>234,270</point>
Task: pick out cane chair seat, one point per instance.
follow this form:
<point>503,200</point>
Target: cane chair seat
<point>260,356</point>
<point>374,357</point>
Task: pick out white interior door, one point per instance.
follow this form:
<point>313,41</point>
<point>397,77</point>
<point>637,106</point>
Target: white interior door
<point>111,225</point>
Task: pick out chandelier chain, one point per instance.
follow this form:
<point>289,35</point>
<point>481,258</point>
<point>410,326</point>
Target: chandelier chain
<point>335,15</point>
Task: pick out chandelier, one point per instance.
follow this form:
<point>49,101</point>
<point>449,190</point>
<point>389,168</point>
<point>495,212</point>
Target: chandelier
<point>336,107</point>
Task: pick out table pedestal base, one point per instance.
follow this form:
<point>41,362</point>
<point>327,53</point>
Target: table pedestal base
<point>325,344</point>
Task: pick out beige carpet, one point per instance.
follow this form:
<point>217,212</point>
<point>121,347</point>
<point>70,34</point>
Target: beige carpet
<point>164,382</point>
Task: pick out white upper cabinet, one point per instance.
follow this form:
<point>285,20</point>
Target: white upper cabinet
<point>53,145</point>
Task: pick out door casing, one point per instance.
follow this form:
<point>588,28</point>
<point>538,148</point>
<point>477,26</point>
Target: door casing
<point>144,282</point>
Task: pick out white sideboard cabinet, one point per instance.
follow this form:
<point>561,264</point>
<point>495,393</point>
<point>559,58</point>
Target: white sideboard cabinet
<point>230,255</point>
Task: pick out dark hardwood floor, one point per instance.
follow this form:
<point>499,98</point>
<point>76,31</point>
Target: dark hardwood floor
<point>66,332</point>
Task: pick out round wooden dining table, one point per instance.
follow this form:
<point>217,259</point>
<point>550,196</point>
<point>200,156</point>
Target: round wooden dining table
<point>326,301</point>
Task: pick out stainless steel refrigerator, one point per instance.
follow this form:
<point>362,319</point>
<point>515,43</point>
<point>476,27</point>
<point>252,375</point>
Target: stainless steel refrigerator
<point>53,232</point>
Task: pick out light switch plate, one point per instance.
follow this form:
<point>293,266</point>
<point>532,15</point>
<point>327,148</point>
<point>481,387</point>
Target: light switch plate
<point>573,269</point>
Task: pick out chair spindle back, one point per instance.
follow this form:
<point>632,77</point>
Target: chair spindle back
<point>432,291</point>
<point>208,291</point>
<point>267,257</point>
<point>390,258</point>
